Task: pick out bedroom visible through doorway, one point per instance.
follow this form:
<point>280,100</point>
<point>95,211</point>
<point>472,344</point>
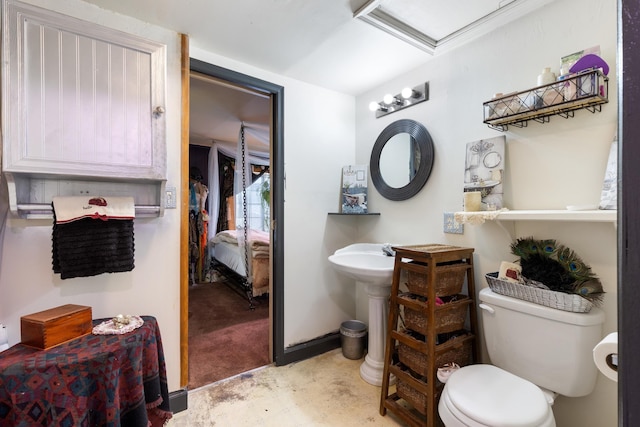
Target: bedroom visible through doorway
<point>231,281</point>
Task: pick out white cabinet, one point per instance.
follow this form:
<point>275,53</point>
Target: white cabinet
<point>80,102</point>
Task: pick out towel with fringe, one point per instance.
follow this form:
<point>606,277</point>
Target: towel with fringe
<point>92,236</point>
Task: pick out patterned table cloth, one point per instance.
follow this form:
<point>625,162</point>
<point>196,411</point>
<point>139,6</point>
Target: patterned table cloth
<point>95,380</point>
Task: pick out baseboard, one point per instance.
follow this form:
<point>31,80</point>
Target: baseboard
<point>178,400</point>
<point>309,349</point>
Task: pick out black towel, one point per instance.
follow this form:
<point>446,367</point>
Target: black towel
<point>89,247</point>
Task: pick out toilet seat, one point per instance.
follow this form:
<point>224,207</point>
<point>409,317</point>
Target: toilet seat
<point>487,396</point>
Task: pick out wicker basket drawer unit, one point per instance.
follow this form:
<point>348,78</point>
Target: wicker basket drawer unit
<point>432,323</point>
<point>414,397</point>
<point>448,317</point>
<point>449,280</point>
<point>457,350</point>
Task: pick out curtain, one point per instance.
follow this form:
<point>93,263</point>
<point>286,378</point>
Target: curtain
<point>226,179</point>
<point>258,154</point>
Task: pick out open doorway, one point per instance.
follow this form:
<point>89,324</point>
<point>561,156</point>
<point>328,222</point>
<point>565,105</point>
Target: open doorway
<point>232,290</point>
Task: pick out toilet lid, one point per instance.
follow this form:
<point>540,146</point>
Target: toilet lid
<point>494,397</point>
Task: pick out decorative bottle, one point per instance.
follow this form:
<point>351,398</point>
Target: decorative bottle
<point>546,77</point>
<point>548,95</point>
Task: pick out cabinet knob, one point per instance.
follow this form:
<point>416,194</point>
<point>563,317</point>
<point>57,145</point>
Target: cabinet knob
<point>159,110</point>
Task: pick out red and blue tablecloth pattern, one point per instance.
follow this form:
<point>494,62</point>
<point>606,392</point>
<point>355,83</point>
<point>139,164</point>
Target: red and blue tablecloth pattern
<point>95,380</point>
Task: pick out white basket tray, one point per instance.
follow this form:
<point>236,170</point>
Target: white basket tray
<point>553,299</point>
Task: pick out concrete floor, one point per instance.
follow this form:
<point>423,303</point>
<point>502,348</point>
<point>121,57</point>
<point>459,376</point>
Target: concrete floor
<point>322,391</point>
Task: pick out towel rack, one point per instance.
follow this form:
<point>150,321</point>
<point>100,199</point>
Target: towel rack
<point>31,194</point>
<point>45,211</point>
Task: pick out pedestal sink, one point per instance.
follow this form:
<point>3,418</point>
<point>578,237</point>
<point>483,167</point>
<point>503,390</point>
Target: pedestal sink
<point>367,264</point>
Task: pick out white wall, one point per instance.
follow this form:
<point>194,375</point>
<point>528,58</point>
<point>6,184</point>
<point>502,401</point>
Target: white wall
<point>547,165</point>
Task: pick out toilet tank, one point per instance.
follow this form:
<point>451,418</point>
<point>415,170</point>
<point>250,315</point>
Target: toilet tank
<point>551,348</point>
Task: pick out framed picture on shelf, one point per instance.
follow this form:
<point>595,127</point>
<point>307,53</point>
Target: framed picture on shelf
<point>484,171</point>
<point>354,189</point>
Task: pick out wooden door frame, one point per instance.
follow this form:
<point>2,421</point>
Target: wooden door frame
<point>276,94</point>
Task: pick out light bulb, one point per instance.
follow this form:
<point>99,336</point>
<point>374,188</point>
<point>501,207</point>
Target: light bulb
<point>373,106</point>
<point>407,93</point>
<point>388,99</point>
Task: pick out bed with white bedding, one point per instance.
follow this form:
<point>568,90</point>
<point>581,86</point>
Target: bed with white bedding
<point>224,249</point>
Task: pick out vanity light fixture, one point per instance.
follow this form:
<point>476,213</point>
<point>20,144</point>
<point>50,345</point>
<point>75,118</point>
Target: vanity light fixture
<point>406,98</point>
<point>392,100</point>
<point>375,106</point>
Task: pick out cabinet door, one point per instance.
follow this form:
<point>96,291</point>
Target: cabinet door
<point>80,99</point>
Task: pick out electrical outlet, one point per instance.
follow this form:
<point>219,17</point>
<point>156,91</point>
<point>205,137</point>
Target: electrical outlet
<point>452,226</point>
<point>170,198</point>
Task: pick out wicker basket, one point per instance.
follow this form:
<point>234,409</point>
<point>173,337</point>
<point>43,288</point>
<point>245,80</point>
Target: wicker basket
<point>449,280</point>
<point>448,317</point>
<point>553,299</point>
<point>412,396</point>
<point>460,353</point>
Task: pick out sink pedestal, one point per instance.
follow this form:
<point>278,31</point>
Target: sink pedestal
<point>371,267</point>
<point>372,368</point>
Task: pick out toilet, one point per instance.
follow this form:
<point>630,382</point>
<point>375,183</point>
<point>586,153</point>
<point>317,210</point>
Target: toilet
<point>536,353</point>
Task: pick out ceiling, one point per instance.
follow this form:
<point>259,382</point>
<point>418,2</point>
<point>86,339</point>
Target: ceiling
<point>336,44</point>
<point>217,109</point>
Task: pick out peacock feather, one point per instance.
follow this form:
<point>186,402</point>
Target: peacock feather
<point>558,267</point>
<point>548,248</point>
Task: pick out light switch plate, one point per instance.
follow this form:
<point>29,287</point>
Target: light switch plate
<point>452,226</point>
<point>170,197</point>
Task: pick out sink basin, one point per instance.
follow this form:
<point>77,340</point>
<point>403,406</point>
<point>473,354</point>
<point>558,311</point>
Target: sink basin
<point>481,184</point>
<point>364,262</point>
<point>485,187</point>
<point>367,264</point>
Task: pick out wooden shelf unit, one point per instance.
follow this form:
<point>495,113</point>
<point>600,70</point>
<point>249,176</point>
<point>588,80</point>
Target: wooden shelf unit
<point>430,335</point>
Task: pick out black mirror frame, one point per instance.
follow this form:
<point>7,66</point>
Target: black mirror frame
<point>425,145</point>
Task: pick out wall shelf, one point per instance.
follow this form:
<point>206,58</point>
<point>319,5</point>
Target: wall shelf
<point>30,195</point>
<point>597,215</point>
<point>511,216</point>
<point>586,90</point>
<point>354,214</point>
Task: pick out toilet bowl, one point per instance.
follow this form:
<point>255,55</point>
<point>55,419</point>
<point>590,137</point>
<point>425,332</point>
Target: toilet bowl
<point>487,396</point>
<point>533,349</point>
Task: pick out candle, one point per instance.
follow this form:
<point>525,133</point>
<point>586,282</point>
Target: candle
<point>472,201</point>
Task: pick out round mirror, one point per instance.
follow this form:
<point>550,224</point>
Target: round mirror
<point>401,159</point>
<point>491,159</point>
<point>398,162</point>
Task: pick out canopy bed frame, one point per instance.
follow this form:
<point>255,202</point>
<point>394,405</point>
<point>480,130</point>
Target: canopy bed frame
<point>240,254</point>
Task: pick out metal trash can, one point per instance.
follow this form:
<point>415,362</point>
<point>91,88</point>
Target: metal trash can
<point>353,334</point>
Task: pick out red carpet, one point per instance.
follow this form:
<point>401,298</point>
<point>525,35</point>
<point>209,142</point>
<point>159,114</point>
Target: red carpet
<point>226,338</point>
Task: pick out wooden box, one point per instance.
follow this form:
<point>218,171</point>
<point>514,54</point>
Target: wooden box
<point>49,328</point>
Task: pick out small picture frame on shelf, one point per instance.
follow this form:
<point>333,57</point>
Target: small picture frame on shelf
<point>354,193</point>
